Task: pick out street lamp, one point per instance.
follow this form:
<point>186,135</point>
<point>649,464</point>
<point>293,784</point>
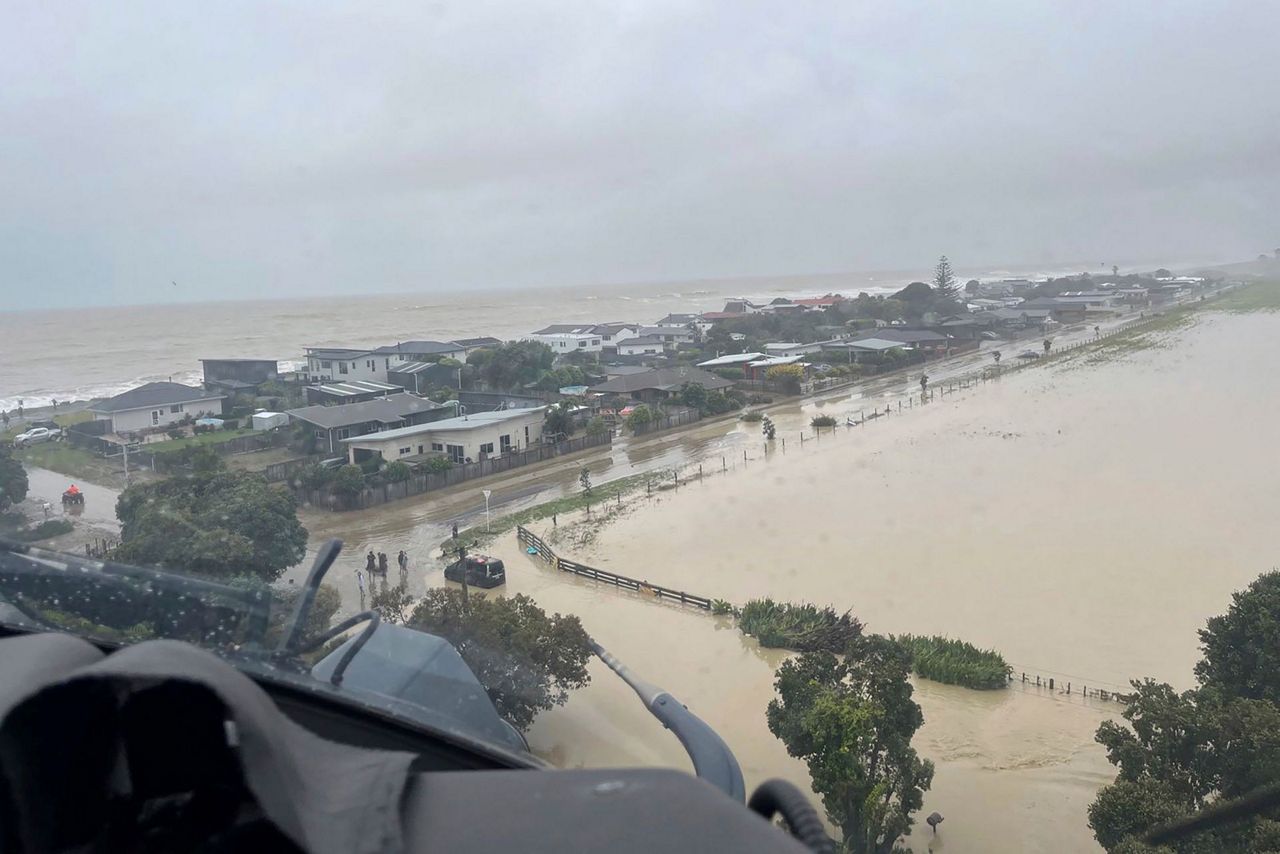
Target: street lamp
<point>487,493</point>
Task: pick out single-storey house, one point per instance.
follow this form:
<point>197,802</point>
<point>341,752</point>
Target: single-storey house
<point>235,375</point>
<point>419,376</point>
<point>732,360</point>
<point>791,348</point>
<point>648,345</point>
<point>464,438</point>
<point>611,371</point>
<point>484,342</point>
<point>155,405</point>
<point>332,424</point>
<point>419,351</point>
<point>933,343</point>
<point>758,369</point>
<point>344,363</point>
<point>1020,318</point>
<point>864,349</point>
<point>657,385</point>
<point>350,391</point>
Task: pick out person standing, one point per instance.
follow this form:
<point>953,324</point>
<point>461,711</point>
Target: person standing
<point>370,564</point>
<point>382,564</point>
<point>403,560</point>
<point>360,584</point>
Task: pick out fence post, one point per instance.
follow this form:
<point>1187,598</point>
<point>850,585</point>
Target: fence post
<point>724,466</point>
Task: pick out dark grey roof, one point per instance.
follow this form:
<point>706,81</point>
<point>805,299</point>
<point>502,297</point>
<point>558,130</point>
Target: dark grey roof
<point>338,353</point>
<point>430,348</point>
<point>482,341</point>
<point>642,341</point>
<point>662,379</point>
<point>386,410</point>
<point>624,370</point>
<point>154,394</point>
<point>679,318</point>
<point>908,336</point>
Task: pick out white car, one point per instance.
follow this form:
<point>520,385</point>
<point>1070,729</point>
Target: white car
<point>35,436</point>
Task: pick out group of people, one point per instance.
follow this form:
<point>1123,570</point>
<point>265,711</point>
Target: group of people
<point>376,566</point>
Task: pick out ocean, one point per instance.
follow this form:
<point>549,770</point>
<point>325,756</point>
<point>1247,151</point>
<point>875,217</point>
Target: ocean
<point>80,354</point>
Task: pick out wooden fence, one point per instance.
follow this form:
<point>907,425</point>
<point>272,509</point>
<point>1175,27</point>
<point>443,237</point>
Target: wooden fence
<point>666,422</point>
<point>532,540</point>
<point>372,496</point>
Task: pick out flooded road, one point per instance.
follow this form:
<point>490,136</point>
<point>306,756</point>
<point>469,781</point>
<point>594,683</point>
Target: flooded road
<point>1083,518</point>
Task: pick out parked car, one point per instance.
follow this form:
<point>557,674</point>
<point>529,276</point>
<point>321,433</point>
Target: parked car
<point>35,436</point>
<point>482,571</point>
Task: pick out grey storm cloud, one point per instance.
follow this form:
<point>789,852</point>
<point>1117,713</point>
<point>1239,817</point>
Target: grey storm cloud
<point>251,149</point>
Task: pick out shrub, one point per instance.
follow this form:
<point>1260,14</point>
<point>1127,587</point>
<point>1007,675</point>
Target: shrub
<point>752,417</point>
<point>802,628</point>
<point>397,472</point>
<point>371,465</point>
<point>597,426</point>
<point>955,662</point>
<point>231,424</point>
<point>728,373</point>
<point>721,607</point>
<point>757,399</point>
<point>820,421</point>
<point>174,433</point>
<point>640,417</point>
<point>315,476</point>
<point>348,480</point>
<point>438,465</point>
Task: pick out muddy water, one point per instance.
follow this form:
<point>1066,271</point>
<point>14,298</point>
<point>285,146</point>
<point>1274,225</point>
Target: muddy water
<point>1084,519</point>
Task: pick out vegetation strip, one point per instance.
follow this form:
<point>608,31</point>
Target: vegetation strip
<point>956,662</point>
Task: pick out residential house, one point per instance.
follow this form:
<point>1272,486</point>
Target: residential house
<point>758,369</point>
<point>611,371</point>
<point>332,424</point>
<point>611,333</point>
<point>819,303</point>
<point>351,391</point>
<point>648,345</point>
<point>239,375</point>
<point>343,363</point>
<point>792,348</point>
<point>569,338</point>
<point>930,343</point>
<point>864,349</point>
<point>1020,318</point>
<point>155,405</point>
<point>417,377</point>
<point>484,342</point>
<point>695,322</point>
<point>731,360</point>
<point>394,355</point>
<point>462,439</point>
<point>657,385</point>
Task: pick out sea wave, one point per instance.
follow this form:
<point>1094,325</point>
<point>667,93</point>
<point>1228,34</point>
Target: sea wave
<point>35,398</point>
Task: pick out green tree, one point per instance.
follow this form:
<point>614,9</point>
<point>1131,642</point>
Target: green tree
<point>559,421</point>
<point>397,471</point>
<point>347,480</point>
<point>1242,647</point>
<point>641,416</point>
<point>527,660</point>
<point>693,395</point>
<point>597,426</point>
<point>1183,752</point>
<point>852,721</point>
<point>205,460</point>
<point>223,525</point>
<point>584,479</point>
<point>944,281</point>
<point>512,365</point>
<point>13,480</point>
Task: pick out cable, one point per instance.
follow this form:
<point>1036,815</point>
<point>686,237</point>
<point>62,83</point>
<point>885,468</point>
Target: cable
<point>778,797</point>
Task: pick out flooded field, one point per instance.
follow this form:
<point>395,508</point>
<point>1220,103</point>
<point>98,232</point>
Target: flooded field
<point>1083,518</point>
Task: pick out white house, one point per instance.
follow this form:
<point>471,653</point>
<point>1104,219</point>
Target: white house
<point>155,405</point>
<point>566,338</point>
<point>466,438</point>
<point>419,351</point>
<point>649,345</point>
<point>340,363</point>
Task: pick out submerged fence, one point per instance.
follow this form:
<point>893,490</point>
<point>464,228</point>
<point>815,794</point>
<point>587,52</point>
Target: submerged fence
<point>533,541</point>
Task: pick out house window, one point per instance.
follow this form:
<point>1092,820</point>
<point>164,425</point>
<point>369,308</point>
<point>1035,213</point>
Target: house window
<point>582,343</point>
<point>419,450</point>
<point>155,415</point>
<point>344,433</point>
<point>457,453</point>
<point>504,442</point>
<point>436,446</point>
<point>326,364</point>
<point>486,448</point>
<point>404,452</point>
<point>595,342</point>
<point>387,364</point>
<point>176,408</point>
<point>342,367</point>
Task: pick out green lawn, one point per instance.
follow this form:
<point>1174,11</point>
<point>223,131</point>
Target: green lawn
<point>1259,296</point>
<point>217,437</point>
<point>61,420</point>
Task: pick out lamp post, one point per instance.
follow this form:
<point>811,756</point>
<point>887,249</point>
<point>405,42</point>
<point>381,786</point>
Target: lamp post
<point>487,493</point>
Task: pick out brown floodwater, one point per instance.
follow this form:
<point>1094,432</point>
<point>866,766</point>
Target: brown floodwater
<point>1083,518</point>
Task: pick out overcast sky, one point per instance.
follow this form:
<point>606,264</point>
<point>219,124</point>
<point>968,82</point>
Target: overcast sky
<point>249,149</point>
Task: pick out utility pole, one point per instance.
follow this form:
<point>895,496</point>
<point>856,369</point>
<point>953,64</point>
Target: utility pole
<point>487,493</point>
